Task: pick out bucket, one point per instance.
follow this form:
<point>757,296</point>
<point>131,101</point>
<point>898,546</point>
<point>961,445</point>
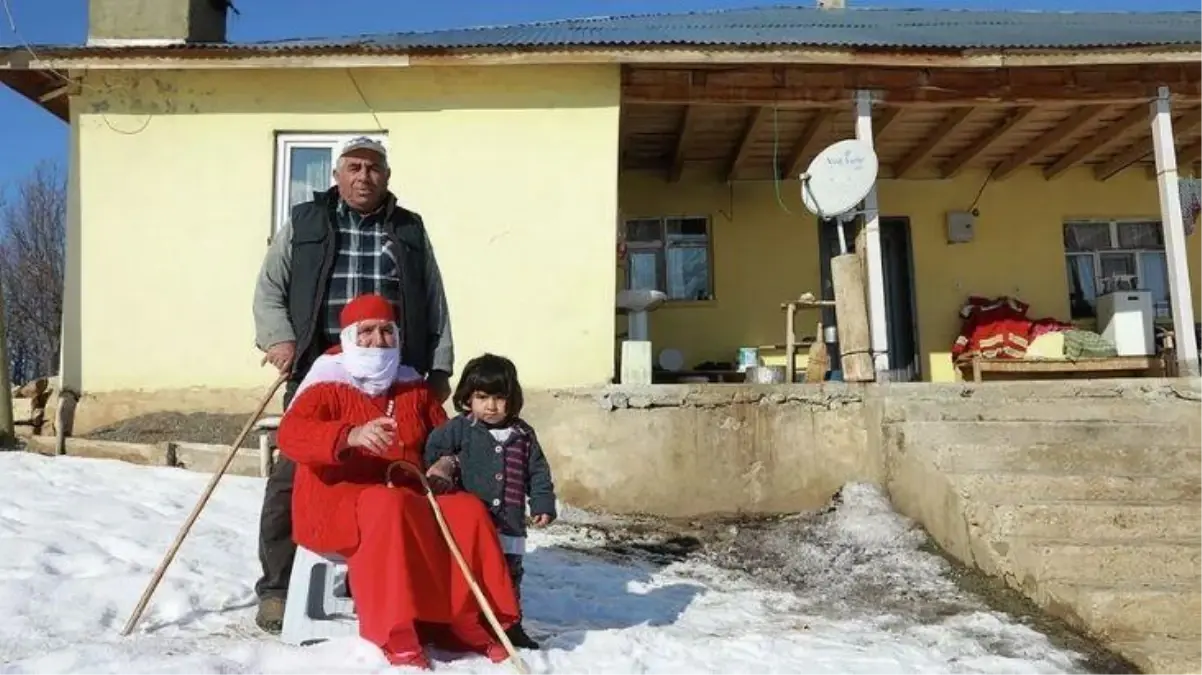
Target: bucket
<point>766,375</point>
<point>748,357</point>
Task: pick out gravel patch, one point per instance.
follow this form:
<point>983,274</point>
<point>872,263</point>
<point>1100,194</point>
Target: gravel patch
<point>161,427</point>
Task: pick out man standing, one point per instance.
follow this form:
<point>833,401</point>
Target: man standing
<point>351,240</point>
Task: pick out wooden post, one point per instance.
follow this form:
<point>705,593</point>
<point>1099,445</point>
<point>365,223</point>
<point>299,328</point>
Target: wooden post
<point>790,343</point>
<point>8,433</point>
<point>851,315</point>
<point>819,363</point>
<point>1173,224</point>
<point>877,320</point>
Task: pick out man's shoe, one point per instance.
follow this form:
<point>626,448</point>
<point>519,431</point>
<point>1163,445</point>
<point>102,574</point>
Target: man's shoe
<point>517,635</point>
<point>270,617</point>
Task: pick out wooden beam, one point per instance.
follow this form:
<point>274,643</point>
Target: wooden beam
<point>1061,131</point>
<point>687,121</point>
<point>1190,154</point>
<point>202,57</point>
<point>755,120</point>
<point>803,149</point>
<point>1142,148</point>
<point>1137,152</point>
<point>1009,123</point>
<point>828,86</point>
<point>1105,137</point>
<point>920,152</point>
<point>881,123</point>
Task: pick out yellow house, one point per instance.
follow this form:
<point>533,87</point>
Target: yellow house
<point>666,148</point>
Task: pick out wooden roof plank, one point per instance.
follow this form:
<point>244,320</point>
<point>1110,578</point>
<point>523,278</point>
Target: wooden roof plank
<point>756,119</point>
<point>688,120</point>
<point>921,151</point>
<point>1112,133</point>
<point>999,131</point>
<point>1142,148</point>
<point>801,149</point>
<point>1056,134</point>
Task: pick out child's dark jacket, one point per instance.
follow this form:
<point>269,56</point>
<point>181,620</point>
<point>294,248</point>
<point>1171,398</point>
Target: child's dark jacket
<point>483,471</point>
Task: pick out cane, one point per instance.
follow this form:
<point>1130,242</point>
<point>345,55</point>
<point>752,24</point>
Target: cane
<point>514,659</point>
<point>204,499</point>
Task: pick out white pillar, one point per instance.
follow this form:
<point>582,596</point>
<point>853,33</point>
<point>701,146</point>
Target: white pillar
<point>1174,234</point>
<point>877,322</point>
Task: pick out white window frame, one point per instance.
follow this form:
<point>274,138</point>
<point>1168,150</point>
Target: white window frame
<point>286,141</point>
<point>660,248</point>
<point>1113,224</point>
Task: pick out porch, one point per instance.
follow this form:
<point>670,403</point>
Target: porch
<point>1037,161</point>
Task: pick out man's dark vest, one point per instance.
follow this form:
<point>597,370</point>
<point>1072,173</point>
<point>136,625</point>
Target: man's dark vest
<point>314,247</point>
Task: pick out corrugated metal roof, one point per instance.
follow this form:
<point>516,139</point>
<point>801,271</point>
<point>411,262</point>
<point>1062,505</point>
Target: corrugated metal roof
<point>764,27</point>
<point>808,26</point>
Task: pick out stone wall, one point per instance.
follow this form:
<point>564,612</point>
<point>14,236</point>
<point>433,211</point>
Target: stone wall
<point>691,450</point>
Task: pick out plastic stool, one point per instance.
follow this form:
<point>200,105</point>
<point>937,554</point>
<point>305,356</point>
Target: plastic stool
<point>319,606</point>
<point>266,426</point>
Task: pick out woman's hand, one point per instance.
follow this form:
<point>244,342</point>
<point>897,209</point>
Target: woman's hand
<point>376,437</point>
<point>441,474</point>
<point>542,520</point>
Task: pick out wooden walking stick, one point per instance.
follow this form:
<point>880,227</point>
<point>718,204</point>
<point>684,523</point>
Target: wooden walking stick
<point>204,499</point>
<point>514,659</point>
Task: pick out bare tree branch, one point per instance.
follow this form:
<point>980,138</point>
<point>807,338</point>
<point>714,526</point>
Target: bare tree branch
<point>32,258</point>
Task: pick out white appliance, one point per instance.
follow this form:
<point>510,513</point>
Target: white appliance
<point>1125,318</point>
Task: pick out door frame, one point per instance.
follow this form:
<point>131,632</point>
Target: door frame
<point>828,245</point>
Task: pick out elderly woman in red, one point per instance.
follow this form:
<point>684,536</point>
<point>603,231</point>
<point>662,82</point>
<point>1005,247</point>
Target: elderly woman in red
<point>358,411</point>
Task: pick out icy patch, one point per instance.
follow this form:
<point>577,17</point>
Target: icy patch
<point>860,560</point>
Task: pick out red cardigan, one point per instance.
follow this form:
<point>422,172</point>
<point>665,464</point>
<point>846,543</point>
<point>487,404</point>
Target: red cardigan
<point>329,477</point>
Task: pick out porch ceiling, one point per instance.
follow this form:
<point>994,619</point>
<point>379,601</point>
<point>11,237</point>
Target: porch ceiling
<point>749,123</point>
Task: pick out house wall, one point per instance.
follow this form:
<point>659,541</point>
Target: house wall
<point>514,170</point>
<point>764,255</point>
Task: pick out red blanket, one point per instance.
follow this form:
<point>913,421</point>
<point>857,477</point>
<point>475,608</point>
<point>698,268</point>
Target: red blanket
<point>999,328</point>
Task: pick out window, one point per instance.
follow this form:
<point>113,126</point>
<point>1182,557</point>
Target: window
<point>1101,256</point>
<point>670,255</point>
<point>304,164</point>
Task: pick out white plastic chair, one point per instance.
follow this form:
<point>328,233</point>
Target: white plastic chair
<point>319,606</point>
<point>266,426</point>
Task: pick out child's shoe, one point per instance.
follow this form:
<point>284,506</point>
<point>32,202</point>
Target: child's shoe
<point>517,635</point>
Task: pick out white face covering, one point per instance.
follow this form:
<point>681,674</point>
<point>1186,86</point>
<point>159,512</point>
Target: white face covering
<point>373,369</point>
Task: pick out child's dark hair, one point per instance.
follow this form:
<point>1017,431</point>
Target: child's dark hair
<point>493,375</point>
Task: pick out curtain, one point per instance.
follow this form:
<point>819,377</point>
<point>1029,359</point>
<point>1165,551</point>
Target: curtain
<point>642,271</point>
<point>688,273</point>
<point>1083,286</point>
<point>309,170</point>
<point>1156,279</point>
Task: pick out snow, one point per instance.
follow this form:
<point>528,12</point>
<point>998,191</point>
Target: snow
<point>824,593</point>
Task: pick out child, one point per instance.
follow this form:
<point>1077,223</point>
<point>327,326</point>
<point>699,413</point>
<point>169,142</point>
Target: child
<point>498,459</point>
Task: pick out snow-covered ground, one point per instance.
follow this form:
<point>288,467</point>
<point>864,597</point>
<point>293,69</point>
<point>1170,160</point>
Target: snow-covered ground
<point>81,538</point>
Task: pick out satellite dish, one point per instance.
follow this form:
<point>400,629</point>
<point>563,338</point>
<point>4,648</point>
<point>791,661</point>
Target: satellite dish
<point>839,178</point>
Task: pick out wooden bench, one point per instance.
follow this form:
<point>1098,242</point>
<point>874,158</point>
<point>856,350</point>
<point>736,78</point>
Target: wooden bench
<point>1017,369</point>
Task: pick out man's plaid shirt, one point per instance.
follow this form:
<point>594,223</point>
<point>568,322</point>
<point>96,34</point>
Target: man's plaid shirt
<point>361,265</point>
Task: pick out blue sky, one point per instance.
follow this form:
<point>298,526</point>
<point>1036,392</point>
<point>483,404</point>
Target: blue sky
<point>29,134</point>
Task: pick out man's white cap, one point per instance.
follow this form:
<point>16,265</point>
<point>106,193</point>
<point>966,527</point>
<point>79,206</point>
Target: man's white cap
<point>365,143</point>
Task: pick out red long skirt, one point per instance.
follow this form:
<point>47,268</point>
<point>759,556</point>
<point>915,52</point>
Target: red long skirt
<point>404,577</point>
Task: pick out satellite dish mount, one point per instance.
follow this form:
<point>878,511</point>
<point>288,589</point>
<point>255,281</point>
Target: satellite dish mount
<point>838,179</point>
